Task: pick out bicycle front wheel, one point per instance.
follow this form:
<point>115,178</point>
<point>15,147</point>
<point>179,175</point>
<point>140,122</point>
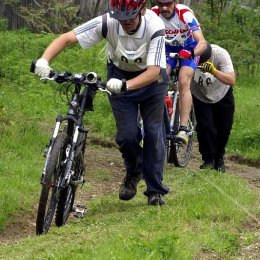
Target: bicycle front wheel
<point>66,200</point>
<point>50,191</point>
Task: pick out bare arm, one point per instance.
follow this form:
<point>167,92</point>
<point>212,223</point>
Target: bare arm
<point>226,78</point>
<point>145,78</point>
<point>59,44</point>
<point>201,42</point>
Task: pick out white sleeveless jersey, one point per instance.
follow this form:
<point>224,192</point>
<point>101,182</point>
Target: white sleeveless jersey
<point>210,89</point>
<point>133,52</point>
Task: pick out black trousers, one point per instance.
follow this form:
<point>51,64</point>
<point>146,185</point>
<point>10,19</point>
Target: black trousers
<point>149,159</point>
<point>214,123</point>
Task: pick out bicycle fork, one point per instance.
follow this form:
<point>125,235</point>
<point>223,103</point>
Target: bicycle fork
<point>48,148</point>
<point>71,151</point>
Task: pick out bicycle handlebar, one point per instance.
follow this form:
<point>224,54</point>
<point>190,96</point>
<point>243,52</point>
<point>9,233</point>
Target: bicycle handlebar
<point>89,78</point>
<point>176,55</point>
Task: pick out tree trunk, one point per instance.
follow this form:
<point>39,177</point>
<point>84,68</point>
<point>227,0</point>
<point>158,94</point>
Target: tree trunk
<point>92,8</point>
<point>10,13</point>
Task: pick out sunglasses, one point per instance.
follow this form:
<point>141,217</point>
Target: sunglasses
<point>167,4</point>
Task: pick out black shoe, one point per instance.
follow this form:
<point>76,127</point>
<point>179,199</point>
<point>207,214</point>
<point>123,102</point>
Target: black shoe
<point>156,199</point>
<point>220,165</point>
<point>207,165</point>
<point>128,189</point>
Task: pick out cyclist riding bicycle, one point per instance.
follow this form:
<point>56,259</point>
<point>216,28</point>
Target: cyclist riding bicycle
<point>136,53</point>
<point>183,36</point>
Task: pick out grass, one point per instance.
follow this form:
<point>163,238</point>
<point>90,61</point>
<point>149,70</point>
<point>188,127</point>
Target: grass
<point>245,137</point>
<point>204,211</point>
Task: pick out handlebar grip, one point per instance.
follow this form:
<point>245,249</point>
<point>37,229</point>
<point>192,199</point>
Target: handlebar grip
<point>32,69</point>
<point>52,74</point>
<point>173,55</point>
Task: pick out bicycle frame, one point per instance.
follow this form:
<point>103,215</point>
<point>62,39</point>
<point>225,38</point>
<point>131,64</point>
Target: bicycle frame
<point>64,164</point>
<point>174,96</point>
<point>173,92</point>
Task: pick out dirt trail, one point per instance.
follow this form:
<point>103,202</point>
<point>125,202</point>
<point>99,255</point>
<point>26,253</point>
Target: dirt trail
<point>104,157</point>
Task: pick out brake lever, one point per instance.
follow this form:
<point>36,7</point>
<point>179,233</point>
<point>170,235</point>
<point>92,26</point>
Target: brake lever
<point>105,90</point>
<point>46,78</point>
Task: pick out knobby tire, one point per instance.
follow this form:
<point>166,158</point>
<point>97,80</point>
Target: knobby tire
<point>49,193</point>
<point>67,195</point>
<point>65,204</point>
<point>177,153</point>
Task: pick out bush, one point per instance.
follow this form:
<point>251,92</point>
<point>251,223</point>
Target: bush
<point>50,16</point>
<point>3,24</point>
<point>235,29</point>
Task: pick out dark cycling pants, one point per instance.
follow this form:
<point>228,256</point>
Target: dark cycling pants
<point>214,123</point>
<point>148,160</point>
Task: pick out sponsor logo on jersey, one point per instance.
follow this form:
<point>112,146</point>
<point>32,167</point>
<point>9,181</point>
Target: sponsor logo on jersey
<point>176,31</point>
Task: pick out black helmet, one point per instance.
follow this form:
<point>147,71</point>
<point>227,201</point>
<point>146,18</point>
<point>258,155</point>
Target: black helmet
<point>206,54</point>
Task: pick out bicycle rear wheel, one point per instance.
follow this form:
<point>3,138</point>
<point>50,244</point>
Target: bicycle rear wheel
<point>50,192</point>
<point>178,153</point>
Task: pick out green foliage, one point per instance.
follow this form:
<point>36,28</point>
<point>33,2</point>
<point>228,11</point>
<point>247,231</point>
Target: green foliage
<point>49,16</point>
<point>203,215</point>
<point>245,136</point>
<point>12,2</point>
<point>3,24</point>
<point>234,28</point>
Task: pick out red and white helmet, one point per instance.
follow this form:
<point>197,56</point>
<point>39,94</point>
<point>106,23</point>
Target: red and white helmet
<point>125,9</point>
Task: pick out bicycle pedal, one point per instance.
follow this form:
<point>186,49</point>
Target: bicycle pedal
<point>78,214</point>
<point>78,211</point>
<point>78,182</point>
<point>84,130</point>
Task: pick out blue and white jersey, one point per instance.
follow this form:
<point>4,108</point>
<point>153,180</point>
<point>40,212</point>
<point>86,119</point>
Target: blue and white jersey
<point>179,28</point>
<point>133,52</point>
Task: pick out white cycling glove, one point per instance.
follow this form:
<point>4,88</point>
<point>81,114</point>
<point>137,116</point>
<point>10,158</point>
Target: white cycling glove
<point>116,86</point>
<point>42,68</point>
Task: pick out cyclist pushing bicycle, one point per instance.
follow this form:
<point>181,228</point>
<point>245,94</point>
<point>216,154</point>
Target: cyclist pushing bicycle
<point>214,104</point>
<point>135,62</point>
<point>183,36</point>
